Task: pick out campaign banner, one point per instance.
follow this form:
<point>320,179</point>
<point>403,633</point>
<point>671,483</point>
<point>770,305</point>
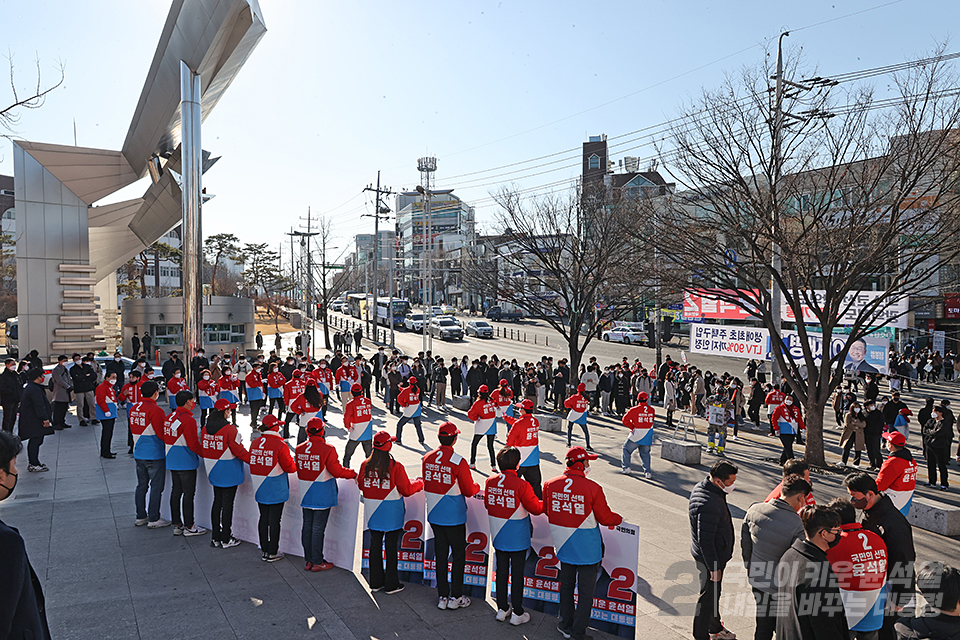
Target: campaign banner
<point>867,355</point>
<point>478,561</point>
<point>703,304</point>
<point>737,342</point>
<point>410,553</point>
<point>892,314</point>
<point>614,608</point>
<point>340,542</point>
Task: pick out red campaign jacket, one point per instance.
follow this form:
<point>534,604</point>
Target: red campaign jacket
<point>482,409</point>
<point>266,449</point>
<point>301,406</point>
<point>253,379</point>
<point>188,428</point>
<point>176,385</point>
<point>131,393</point>
<point>440,483</point>
<point>357,411</point>
<point>293,389</point>
<point>324,455</point>
<point>209,387</point>
<point>577,402</point>
<point>155,417</point>
<point>409,396</point>
<point>778,491</point>
<point>226,383</point>
<point>348,373</point>
<point>105,392</point>
<point>324,375</point>
<point>775,398</point>
<point>786,413</point>
<point>513,487</point>
<point>502,397</point>
<point>227,436</point>
<point>558,508</point>
<point>524,431</point>
<point>640,416</point>
<point>375,488</point>
<point>276,380</point>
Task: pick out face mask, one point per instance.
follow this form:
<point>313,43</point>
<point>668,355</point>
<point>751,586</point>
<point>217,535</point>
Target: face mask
<point>860,503</point>
<point>11,367</point>
<point>834,542</point>
<point>206,377</point>
<point>788,402</point>
<point>16,476</point>
<point>729,489</point>
<point>112,381</point>
<point>116,359</point>
<point>149,375</point>
<point>76,362</point>
<point>586,471</point>
<point>177,374</point>
<point>226,373</point>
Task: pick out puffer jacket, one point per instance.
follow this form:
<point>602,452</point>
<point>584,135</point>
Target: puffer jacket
<point>711,526</point>
<point>769,528</point>
<point>940,627</point>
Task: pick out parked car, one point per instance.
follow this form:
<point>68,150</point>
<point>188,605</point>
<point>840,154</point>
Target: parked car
<point>498,314</point>
<point>479,329</point>
<point>413,322</point>
<point>626,335</point>
<point>447,309</point>
<point>446,329</point>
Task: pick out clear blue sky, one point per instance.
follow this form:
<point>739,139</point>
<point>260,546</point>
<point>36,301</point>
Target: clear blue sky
<point>337,90</point>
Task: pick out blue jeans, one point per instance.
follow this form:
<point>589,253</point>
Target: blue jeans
<point>314,528</point>
<point>629,447</point>
<point>153,473</point>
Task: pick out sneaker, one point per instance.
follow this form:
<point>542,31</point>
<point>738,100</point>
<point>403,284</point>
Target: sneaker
<point>944,487</point>
<point>733,437</point>
<point>458,603</point>
<point>564,632</point>
<point>625,472</point>
<point>263,557</point>
<point>396,589</point>
<point>323,566</point>
<point>273,557</point>
<point>309,565</point>
<point>84,423</point>
<point>725,634</point>
<point>502,615</point>
<point>216,544</point>
<point>443,603</point>
<point>139,522</point>
<point>177,530</point>
<point>158,524</point>
<point>473,467</point>
<point>648,475</point>
<point>590,449</point>
<point>516,620</point>
<point>195,530</point>
<point>232,542</point>
<point>39,468</point>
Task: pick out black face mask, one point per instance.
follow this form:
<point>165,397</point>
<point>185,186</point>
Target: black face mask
<point>10,489</point>
<point>860,503</point>
<point>835,541</point>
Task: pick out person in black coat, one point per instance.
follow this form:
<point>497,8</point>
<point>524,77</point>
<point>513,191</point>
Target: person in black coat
<point>809,605</point>
<point>872,434</point>
<point>135,344</point>
<point>35,416</point>
<point>561,378</point>
<point>940,620</point>
<point>172,365</point>
<point>474,380</point>
<point>711,530</point>
<point>937,438</point>
<point>456,379</point>
<point>10,391</point>
<point>22,611</point>
<point>199,363</point>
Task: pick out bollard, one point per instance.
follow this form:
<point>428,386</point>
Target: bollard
<point>546,341</point>
<point>534,338</point>
<point>524,336</point>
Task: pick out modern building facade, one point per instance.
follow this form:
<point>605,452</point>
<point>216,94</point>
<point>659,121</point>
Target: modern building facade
<point>228,324</point>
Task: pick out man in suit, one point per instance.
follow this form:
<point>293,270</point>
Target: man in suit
<point>22,613</point>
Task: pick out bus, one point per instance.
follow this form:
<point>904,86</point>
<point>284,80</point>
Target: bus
<point>357,305</point>
<point>13,338</point>
<point>400,309</point>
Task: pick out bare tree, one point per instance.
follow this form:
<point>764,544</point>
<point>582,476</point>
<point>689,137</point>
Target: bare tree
<point>135,270</point>
<point>848,194</point>
<point>217,248</point>
<point>559,257</point>
<point>33,99</point>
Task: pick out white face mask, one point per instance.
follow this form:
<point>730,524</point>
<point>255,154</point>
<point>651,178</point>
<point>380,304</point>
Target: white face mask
<point>586,471</point>
<point>117,359</point>
<point>729,489</point>
<point>177,374</point>
<point>788,402</point>
<point>206,377</point>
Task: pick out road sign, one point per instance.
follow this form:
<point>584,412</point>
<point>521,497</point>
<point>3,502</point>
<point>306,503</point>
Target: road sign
<point>731,258</point>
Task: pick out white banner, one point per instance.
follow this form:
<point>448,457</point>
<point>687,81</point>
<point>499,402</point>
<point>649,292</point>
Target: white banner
<point>853,303</point>
<point>736,342</point>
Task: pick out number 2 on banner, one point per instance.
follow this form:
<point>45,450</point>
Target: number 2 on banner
<point>547,564</point>
<point>621,581</point>
<point>476,546</point>
<point>411,534</point>
<point>568,485</point>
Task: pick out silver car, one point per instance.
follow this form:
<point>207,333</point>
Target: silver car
<point>446,329</point>
<point>479,329</point>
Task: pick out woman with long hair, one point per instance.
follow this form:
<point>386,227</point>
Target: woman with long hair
<point>484,416</point>
<point>383,511</point>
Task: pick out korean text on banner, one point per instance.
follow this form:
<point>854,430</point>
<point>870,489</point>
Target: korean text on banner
<point>703,304</point>
<point>737,342</point>
<point>866,355</point>
<point>853,305</point>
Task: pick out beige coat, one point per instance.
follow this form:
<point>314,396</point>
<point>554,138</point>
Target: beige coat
<point>853,427</point>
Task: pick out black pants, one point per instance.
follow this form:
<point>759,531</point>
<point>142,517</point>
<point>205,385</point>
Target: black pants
<point>351,446</point>
<point>873,448</point>
<point>384,544</point>
<point>582,577</point>
<point>221,516</point>
<point>10,415</point>
<point>269,527</point>
<point>532,475</point>
<point>286,424</point>
<point>33,450</point>
<point>510,565</point>
<point>706,620</point>
<point>787,454</point>
<point>455,386</point>
<point>417,422</point>
<point>255,407</point>
<point>557,397</point>
<point>753,411</point>
<point>473,448</point>
<point>450,541</point>
<point>586,433</point>
<point>851,443</point>
<point>394,400</point>
<point>106,435</point>
<point>60,414</point>
<point>766,615</point>
<point>277,402</point>
<point>184,489</point>
<point>938,458</point>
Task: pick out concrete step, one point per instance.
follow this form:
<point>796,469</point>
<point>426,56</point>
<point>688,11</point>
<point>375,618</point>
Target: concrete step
<point>79,319</point>
<point>78,306</point>
<point>92,345</point>
<point>77,268</point>
<point>79,333</point>
<point>78,281</point>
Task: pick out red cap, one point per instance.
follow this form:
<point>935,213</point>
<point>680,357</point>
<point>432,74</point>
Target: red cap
<point>316,426</point>
<point>578,454</point>
<point>643,396</point>
<point>223,404</point>
<point>483,389</point>
<point>383,441</point>
<point>581,387</point>
<point>297,373</point>
<point>355,389</point>
<point>526,404</point>
<point>449,429</point>
<point>906,412</point>
<point>412,380</point>
<point>272,422</point>
<point>503,382</point>
<point>895,438</point>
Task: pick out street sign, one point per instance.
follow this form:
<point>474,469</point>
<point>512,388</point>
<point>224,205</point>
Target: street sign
<point>939,341</point>
<point>731,258</point>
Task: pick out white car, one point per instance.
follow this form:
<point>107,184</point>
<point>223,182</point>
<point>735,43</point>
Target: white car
<point>480,329</point>
<point>626,335</point>
<point>413,322</point>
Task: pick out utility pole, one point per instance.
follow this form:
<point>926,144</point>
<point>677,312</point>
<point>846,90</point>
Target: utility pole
<point>308,286</point>
<point>377,212</point>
